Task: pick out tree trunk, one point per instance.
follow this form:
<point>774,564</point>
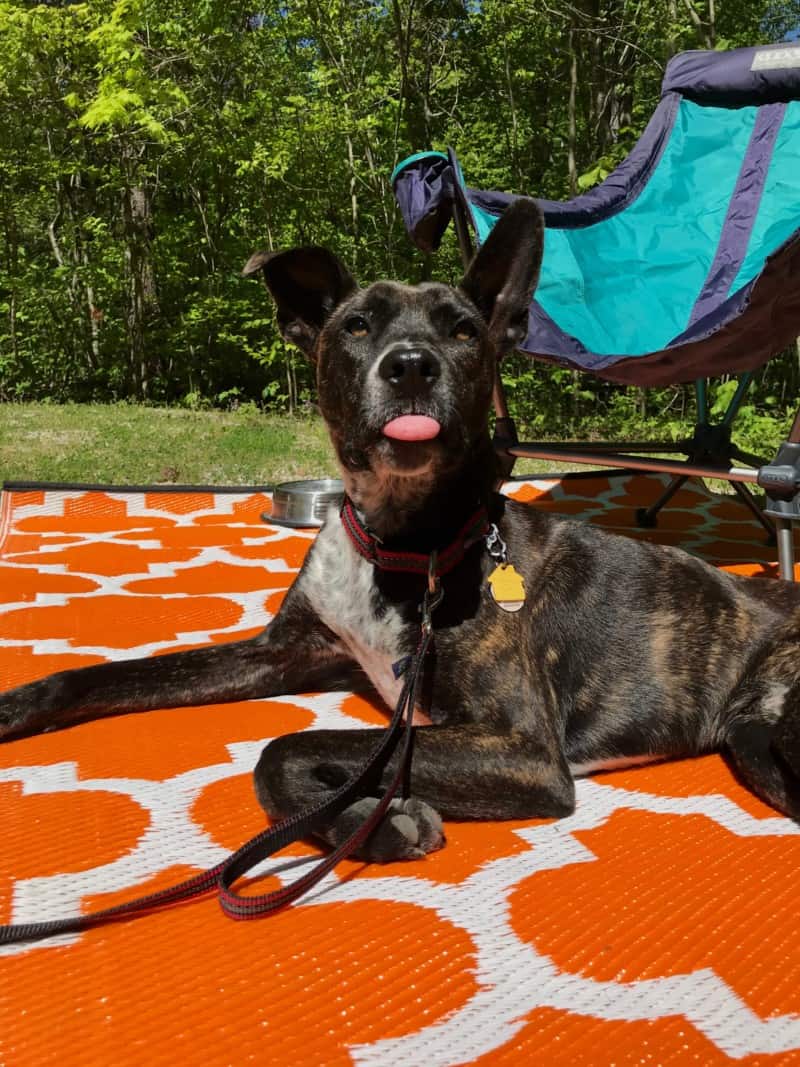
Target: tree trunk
<point>142,306</point>
<point>572,128</point>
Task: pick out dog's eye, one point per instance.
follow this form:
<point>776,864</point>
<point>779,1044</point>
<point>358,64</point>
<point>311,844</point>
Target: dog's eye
<point>464,331</point>
<point>357,326</point>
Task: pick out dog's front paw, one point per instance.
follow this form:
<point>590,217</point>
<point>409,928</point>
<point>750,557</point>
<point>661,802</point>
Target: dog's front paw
<point>409,830</point>
<point>12,715</point>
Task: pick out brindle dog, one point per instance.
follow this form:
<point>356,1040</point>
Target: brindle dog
<point>622,651</point>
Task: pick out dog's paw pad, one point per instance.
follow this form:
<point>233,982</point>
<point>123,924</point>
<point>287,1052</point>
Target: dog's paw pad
<point>428,823</point>
<point>406,827</point>
<point>410,829</point>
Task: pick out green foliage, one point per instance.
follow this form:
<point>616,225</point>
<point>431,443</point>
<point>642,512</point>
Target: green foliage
<point>609,161</point>
<point>147,148</point>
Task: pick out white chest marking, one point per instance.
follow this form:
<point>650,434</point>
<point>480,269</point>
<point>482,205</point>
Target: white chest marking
<point>339,584</point>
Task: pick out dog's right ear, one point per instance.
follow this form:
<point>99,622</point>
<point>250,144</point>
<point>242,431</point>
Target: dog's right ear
<point>306,285</point>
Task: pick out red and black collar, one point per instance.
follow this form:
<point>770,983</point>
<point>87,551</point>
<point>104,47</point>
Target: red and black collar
<point>368,545</point>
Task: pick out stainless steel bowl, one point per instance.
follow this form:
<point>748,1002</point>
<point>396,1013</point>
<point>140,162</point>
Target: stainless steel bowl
<point>304,503</point>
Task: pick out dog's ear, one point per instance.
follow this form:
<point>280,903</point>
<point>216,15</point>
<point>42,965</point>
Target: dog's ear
<point>502,277</point>
<point>306,285</point>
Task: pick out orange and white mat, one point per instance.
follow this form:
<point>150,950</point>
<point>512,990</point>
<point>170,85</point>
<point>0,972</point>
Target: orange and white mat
<point>658,925</point>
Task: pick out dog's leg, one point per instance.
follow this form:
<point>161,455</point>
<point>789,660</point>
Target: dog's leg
<point>296,653</point>
<point>763,733</point>
<point>462,772</point>
<point>754,751</point>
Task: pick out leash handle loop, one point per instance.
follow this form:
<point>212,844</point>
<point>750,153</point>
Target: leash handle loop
<point>222,876</point>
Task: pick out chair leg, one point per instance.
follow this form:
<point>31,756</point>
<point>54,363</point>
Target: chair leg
<point>505,430</point>
<point>647,518</point>
<point>750,501</point>
<point>781,480</point>
<point>746,457</point>
<point>710,443</point>
<point>785,536</point>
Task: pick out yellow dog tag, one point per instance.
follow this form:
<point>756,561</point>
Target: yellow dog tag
<point>508,588</point>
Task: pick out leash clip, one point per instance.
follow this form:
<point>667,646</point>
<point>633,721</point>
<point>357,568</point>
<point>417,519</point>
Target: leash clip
<point>496,546</point>
<point>434,594</point>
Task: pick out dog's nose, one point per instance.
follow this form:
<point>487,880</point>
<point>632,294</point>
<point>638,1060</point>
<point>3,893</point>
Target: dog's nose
<point>409,369</point>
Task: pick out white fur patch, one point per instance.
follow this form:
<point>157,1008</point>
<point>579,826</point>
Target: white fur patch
<point>772,704</point>
<point>339,584</point>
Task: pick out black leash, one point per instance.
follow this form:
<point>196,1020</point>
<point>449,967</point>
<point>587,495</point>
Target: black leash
<point>222,877</point>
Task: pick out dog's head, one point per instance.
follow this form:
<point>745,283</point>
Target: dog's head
<point>405,373</point>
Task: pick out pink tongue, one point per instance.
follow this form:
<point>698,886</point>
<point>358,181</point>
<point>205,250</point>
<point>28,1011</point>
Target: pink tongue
<point>412,428</point>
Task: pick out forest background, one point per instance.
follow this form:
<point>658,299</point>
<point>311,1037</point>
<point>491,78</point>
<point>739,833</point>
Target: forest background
<point>147,147</point>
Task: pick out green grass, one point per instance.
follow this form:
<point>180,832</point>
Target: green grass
<point>120,444</point>
<point>133,444</point>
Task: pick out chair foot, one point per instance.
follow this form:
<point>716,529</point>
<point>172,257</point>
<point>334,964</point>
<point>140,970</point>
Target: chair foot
<point>646,518</point>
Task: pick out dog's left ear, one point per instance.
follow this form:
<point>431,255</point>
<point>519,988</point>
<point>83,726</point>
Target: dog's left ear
<point>306,285</point>
<point>502,277</point>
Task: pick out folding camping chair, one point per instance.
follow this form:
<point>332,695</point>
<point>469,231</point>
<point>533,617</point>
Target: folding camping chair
<point>683,264</point>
